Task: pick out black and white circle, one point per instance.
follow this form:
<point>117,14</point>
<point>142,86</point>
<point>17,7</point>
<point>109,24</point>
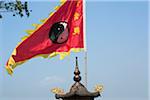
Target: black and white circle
<point>59,32</point>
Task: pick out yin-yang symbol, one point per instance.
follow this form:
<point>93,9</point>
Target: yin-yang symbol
<point>59,32</point>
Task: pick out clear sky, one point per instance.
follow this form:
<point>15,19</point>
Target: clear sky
<point>117,42</point>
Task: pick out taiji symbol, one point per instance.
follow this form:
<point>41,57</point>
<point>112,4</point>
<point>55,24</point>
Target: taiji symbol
<point>59,32</point>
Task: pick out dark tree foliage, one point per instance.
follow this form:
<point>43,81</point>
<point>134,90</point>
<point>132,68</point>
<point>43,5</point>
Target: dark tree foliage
<point>15,7</point>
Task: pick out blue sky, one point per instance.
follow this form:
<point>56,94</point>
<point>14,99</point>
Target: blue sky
<point>117,43</point>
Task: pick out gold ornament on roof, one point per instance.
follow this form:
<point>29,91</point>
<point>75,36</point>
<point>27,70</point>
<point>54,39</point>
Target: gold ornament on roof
<point>98,88</point>
<point>57,90</point>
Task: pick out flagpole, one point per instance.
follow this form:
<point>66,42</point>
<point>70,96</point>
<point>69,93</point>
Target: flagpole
<point>85,44</point>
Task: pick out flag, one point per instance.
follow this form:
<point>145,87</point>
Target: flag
<point>59,34</point>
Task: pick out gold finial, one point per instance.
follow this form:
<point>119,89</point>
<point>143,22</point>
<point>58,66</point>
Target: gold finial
<point>77,77</point>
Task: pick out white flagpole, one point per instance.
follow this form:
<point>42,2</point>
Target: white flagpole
<point>85,44</point>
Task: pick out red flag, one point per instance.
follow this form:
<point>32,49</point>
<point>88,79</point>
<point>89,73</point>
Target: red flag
<point>60,34</point>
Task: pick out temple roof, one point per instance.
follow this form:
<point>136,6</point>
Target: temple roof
<point>78,89</point>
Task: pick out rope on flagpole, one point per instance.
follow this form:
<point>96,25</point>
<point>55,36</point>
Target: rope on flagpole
<point>85,44</point>
<point>86,68</point>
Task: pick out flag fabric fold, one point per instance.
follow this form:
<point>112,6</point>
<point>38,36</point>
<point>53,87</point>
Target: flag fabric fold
<point>59,34</point>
